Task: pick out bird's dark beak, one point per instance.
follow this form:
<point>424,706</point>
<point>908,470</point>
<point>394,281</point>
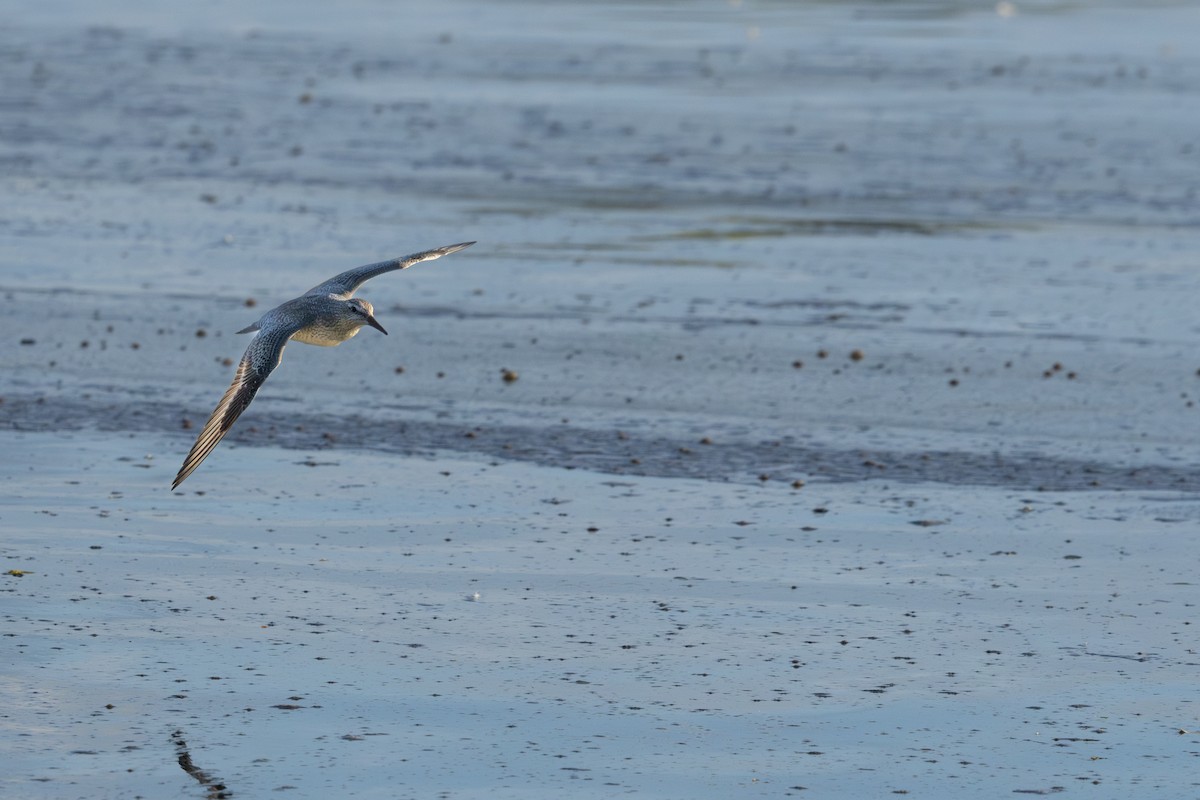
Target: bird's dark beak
<point>374,323</point>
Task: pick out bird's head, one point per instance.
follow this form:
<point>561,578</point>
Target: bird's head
<point>363,313</point>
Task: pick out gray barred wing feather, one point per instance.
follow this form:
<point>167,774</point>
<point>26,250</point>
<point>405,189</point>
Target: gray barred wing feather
<point>345,284</point>
<point>260,358</point>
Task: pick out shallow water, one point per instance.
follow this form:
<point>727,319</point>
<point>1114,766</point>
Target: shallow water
<point>939,254</point>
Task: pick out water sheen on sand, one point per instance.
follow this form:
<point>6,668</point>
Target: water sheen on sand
<point>815,416</point>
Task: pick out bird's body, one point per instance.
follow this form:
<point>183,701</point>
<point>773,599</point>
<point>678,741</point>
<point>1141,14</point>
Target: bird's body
<point>326,315</point>
<point>325,324</point>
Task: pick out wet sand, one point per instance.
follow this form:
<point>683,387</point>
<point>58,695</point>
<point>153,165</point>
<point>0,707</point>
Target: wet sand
<point>851,448</point>
<point>499,629</point>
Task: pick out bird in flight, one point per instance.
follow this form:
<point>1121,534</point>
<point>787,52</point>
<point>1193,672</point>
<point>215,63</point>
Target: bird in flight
<point>326,315</point>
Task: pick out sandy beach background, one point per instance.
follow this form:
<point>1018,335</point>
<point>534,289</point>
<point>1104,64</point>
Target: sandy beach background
<point>852,449</point>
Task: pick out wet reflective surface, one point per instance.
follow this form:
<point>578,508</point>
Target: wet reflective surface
<point>389,627</point>
<point>862,334</point>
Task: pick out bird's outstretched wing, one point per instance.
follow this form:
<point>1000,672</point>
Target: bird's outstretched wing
<point>345,283</point>
<point>260,358</point>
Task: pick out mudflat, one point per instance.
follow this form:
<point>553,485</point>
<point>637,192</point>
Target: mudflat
<point>815,416</point>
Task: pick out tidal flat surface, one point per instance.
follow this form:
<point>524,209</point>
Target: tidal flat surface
<point>825,319</point>
<point>378,626</point>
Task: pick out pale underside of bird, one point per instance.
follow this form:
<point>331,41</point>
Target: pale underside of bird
<point>326,315</point>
